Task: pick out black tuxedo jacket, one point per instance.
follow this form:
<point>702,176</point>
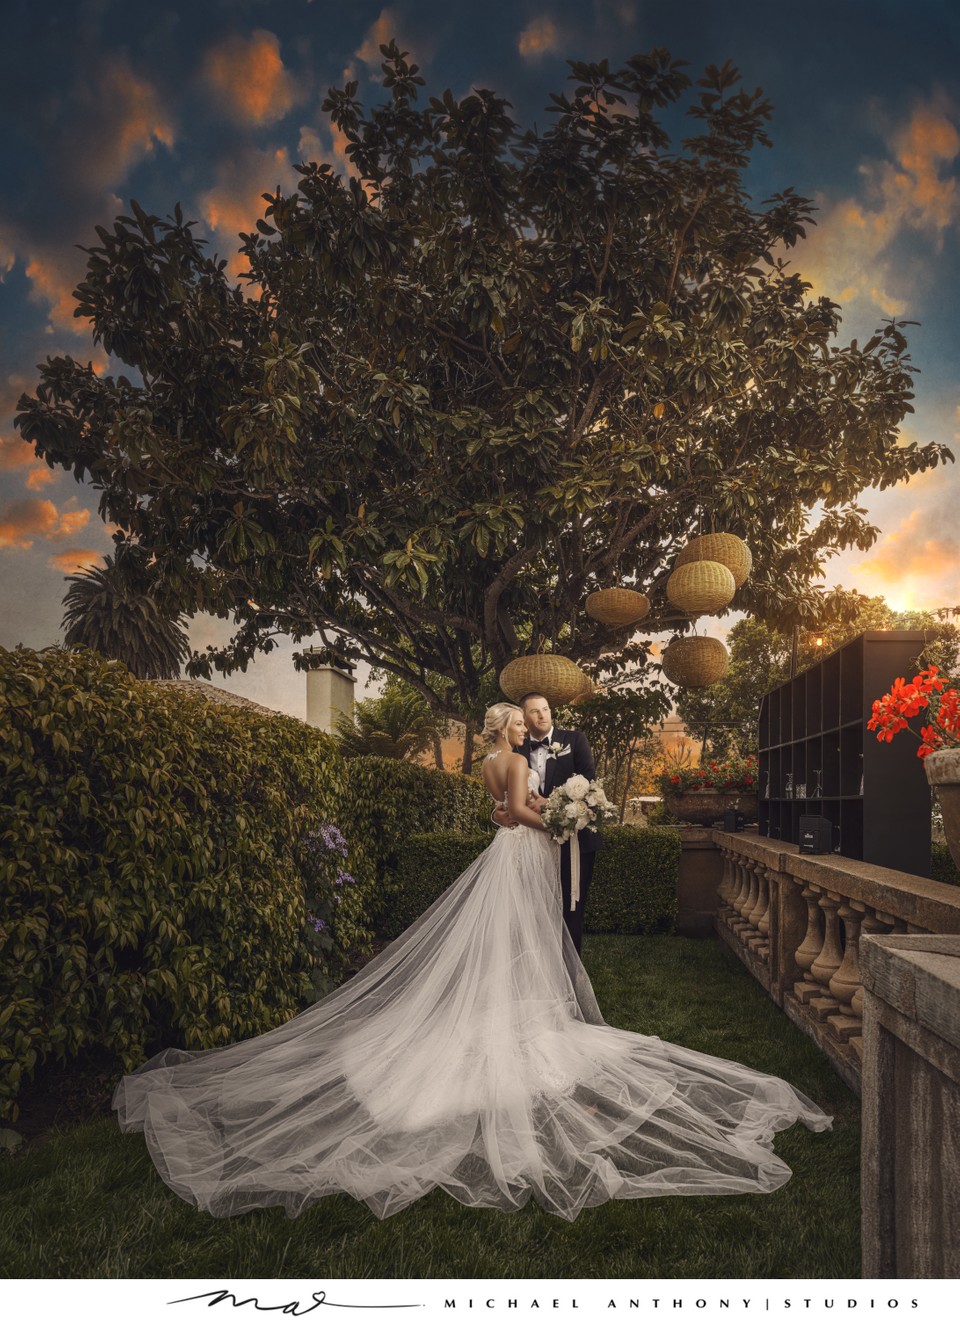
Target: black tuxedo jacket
<point>578,760</point>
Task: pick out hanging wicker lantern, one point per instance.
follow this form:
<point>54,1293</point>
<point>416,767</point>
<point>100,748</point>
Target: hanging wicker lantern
<point>617,607</point>
<point>587,692</point>
<point>695,661</point>
<point>551,675</point>
<point>726,548</point>
<point>701,587</point>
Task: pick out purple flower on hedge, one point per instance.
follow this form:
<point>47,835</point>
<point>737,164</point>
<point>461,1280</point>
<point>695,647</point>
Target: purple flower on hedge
<point>318,924</point>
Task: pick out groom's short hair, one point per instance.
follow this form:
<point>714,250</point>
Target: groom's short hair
<point>531,695</point>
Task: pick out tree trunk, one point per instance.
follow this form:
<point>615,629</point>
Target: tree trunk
<point>467,766</point>
<point>626,783</point>
<point>438,752</point>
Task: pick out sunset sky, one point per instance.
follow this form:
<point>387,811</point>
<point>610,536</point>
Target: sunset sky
<point>211,103</point>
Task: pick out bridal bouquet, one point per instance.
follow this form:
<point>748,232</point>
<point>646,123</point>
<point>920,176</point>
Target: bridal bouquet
<point>580,803</point>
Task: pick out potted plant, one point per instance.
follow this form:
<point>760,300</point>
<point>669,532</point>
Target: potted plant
<point>700,794</point>
<point>939,738</point>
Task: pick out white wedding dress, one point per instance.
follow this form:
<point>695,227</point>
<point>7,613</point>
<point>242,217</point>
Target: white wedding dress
<point>470,1055</point>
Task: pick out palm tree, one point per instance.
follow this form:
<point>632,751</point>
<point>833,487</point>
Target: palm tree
<point>111,609</point>
<point>398,724</point>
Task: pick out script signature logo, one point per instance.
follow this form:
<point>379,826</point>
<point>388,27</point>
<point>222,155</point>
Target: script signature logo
<point>293,1307</point>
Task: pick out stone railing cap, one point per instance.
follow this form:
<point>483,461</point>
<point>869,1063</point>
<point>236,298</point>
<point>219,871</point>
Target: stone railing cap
<point>918,975</point>
<point>927,904</point>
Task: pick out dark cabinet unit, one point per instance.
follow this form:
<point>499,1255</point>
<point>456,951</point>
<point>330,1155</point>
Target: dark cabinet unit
<point>818,758</point>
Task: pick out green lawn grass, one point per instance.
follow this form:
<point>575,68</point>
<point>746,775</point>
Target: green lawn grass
<point>86,1202</point>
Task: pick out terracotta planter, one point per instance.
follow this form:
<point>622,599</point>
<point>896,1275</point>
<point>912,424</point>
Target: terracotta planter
<point>708,805</point>
<point>943,775</point>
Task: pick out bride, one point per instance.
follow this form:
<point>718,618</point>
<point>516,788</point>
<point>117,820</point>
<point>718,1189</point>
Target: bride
<point>470,1055</point>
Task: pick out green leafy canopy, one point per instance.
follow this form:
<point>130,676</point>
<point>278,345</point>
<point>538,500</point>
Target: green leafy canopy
<point>491,370</point>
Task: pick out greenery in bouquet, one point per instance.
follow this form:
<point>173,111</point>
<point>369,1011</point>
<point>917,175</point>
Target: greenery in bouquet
<point>580,803</point>
<point>734,773</point>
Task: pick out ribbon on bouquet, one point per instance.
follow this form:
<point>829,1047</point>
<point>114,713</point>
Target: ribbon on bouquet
<point>574,870</point>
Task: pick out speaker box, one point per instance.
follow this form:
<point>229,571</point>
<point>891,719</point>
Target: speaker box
<point>816,834</point>
<point>733,821</point>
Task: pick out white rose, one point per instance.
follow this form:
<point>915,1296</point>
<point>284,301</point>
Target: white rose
<point>583,822</point>
<point>592,800</point>
<point>577,786</point>
<point>581,808</point>
<point>571,811</point>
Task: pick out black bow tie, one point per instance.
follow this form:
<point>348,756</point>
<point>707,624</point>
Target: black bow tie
<point>543,741</point>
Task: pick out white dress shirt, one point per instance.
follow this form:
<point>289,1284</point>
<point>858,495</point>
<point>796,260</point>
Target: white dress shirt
<point>538,758</point>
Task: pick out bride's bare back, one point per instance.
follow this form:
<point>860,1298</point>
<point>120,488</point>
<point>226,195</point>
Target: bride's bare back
<point>506,778</point>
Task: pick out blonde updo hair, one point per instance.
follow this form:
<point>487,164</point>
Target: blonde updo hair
<point>496,719</point>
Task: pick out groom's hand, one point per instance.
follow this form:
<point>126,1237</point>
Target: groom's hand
<point>536,802</point>
<point>503,818</point>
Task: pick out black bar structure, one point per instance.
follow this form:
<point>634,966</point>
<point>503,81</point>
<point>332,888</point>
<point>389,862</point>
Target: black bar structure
<point>818,759</point>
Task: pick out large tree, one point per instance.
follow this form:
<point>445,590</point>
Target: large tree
<point>492,370</point>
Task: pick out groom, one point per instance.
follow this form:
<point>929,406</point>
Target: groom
<point>556,754</point>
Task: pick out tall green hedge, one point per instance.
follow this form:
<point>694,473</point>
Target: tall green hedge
<point>634,889</point>
<point>152,889</point>
<point>387,802</point>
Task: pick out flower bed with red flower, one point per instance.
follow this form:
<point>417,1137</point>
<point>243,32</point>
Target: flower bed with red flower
<point>928,691</point>
<point>735,774</point>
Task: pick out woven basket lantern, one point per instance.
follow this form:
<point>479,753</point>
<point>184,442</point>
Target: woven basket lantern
<point>588,689</point>
<point>551,675</point>
<point>617,608</point>
<point>726,548</point>
<point>695,661</point>
<point>701,587</point>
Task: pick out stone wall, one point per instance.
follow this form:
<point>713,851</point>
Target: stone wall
<point>910,1186</point>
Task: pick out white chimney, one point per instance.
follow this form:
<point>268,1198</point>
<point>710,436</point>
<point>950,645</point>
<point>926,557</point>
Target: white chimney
<point>330,692</point>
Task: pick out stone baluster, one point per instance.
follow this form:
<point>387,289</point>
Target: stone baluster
<point>812,942</point>
<point>831,954</point>
<point>845,981</point>
<point>744,881</point>
<point>728,882</point>
<point>763,922</point>
<point>762,905</point>
<point>750,902</point>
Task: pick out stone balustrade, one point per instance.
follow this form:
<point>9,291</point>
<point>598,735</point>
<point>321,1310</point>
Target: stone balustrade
<point>796,921</point>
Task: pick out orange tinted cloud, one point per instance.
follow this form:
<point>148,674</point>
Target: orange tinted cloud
<point>75,559</point>
<point>539,38</point>
<point>55,277</point>
<point>917,565</point>
<point>16,453</point>
<point>852,252</point>
<point>377,35</point>
<point>249,76</point>
<point>235,202</point>
<point>27,519</point>
<point>40,476</point>
<point>914,184</point>
<point>72,521</point>
<point>130,123</point>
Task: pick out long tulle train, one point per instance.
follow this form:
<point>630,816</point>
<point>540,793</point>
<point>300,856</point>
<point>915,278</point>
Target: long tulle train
<point>469,1056</point>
